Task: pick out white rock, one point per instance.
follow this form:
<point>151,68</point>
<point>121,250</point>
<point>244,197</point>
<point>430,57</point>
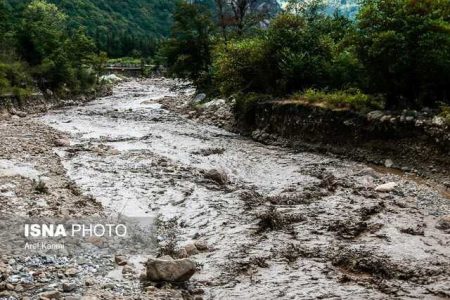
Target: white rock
<point>388,163</point>
<point>387,187</point>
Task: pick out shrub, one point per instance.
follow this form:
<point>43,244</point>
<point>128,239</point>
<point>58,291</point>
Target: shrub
<point>350,99</point>
<point>445,113</point>
<point>242,66</point>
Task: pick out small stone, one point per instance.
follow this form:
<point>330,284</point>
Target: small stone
<point>18,113</point>
<point>62,143</point>
<point>173,271</point>
<point>121,260</point>
<point>218,176</point>
<point>201,245</point>
<point>388,163</point>
<point>182,253</point>
<point>199,98</point>
<point>444,223</point>
<point>108,286</point>
<point>71,272</point>
<point>191,249</point>
<point>10,287</point>
<point>50,295</point>
<point>89,282</point>
<point>68,287</point>
<point>387,187</point>
<point>127,270</point>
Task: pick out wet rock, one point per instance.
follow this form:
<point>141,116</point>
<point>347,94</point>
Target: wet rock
<point>444,223</point>
<point>50,295</point>
<point>218,176</point>
<point>62,143</point>
<point>121,260</point>
<point>173,271</point>
<point>387,187</point>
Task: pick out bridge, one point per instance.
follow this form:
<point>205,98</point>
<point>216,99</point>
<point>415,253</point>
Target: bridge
<point>128,69</point>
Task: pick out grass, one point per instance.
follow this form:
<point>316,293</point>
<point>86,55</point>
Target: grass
<point>445,113</point>
<point>352,99</point>
<point>40,187</point>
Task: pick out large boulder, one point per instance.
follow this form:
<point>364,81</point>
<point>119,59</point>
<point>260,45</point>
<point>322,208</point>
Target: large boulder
<point>170,270</point>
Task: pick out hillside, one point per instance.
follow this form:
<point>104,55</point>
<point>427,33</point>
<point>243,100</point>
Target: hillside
<point>118,27</point>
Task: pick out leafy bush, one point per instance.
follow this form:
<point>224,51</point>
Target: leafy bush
<point>14,79</point>
<point>349,99</point>
<point>242,66</point>
<point>445,113</point>
<point>302,53</point>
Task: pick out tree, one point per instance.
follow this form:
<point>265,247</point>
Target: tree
<point>405,47</point>
<point>188,50</point>
<point>59,57</point>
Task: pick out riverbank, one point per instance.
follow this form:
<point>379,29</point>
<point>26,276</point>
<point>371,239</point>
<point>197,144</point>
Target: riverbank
<point>412,142</point>
<point>260,221</point>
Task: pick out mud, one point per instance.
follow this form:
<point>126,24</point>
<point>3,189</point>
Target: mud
<point>277,224</point>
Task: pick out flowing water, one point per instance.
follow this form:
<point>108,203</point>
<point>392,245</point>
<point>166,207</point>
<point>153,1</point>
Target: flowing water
<point>330,235</point>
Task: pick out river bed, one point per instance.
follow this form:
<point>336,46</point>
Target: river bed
<point>284,225</point>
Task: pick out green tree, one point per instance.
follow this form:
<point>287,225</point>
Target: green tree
<point>188,50</point>
<point>60,58</point>
<point>405,47</point>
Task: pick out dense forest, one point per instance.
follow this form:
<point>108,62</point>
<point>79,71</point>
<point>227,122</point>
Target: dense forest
<point>374,54</point>
<point>39,49</point>
<point>392,54</point>
<point>120,28</point>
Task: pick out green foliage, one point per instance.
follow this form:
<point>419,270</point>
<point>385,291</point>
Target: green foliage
<point>445,113</point>
<point>60,59</point>
<point>301,51</point>
<point>118,27</point>
<point>14,79</point>
<point>188,50</point>
<point>405,47</point>
<point>345,99</point>
<point>242,66</point>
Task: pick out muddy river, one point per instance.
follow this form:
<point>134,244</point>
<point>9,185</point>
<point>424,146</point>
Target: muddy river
<point>278,224</point>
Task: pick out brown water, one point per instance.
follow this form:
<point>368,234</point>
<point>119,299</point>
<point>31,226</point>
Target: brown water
<point>336,237</point>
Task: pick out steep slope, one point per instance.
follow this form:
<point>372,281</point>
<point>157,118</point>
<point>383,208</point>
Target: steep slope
<point>119,27</point>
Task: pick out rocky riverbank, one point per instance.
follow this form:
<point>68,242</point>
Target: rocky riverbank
<point>255,221</point>
<point>412,142</point>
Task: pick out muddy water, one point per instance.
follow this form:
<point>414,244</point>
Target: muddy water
<point>329,234</point>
